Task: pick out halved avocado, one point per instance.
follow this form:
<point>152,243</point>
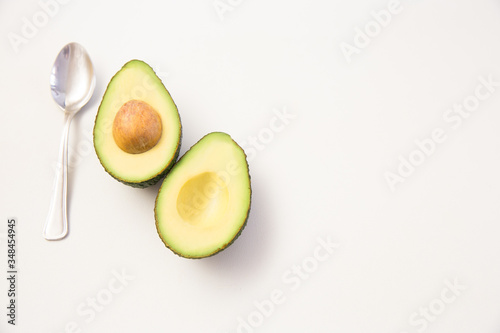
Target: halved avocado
<point>137,131</point>
<point>204,202</point>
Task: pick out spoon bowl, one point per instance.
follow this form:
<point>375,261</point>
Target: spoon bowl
<point>72,78</point>
<point>72,83</point>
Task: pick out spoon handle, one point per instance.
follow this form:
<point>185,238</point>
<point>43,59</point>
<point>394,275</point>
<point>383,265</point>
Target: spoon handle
<point>56,225</point>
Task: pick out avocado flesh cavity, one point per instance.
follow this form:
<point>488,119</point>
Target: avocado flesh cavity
<point>204,202</point>
<point>137,152</point>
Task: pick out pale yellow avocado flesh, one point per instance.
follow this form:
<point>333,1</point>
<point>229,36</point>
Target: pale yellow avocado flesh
<point>204,201</point>
<point>137,81</point>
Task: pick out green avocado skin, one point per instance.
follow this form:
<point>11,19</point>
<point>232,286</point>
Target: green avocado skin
<point>224,246</point>
<point>161,175</point>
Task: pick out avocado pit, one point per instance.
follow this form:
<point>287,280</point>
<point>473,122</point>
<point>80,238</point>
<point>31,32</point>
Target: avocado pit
<point>137,127</point>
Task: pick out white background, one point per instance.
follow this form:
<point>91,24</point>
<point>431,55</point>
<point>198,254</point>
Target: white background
<point>321,177</point>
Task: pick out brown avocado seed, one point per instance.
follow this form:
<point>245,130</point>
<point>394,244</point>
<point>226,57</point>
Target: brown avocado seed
<point>137,127</point>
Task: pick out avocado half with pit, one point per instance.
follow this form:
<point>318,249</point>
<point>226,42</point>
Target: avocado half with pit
<point>204,201</point>
<point>137,131</point>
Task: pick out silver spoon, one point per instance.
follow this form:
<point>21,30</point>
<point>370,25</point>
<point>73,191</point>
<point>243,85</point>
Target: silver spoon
<point>72,83</point>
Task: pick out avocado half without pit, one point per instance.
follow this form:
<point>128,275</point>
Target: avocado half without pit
<point>204,201</point>
<point>137,131</point>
